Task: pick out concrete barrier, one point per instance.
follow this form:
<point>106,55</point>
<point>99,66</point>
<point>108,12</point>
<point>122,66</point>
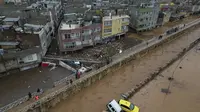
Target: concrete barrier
<point>119,60</point>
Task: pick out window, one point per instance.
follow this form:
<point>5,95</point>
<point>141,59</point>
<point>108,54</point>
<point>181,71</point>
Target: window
<point>107,30</point>
<point>97,29</point>
<point>124,28</point>
<point>113,110</point>
<point>132,106</point>
<point>67,36</point>
<point>97,37</point>
<point>125,107</point>
<point>125,20</point>
<point>72,35</point>
<point>30,57</point>
<point>141,26</point>
<point>141,20</point>
<point>107,23</point>
<point>77,34</point>
<point>69,45</point>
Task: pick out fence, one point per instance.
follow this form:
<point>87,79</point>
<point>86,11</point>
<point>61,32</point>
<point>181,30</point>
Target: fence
<point>117,58</point>
<point>18,102</point>
<point>65,80</point>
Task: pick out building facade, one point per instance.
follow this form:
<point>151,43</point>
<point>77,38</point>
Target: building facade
<point>77,34</point>
<point>17,51</point>
<point>164,13</point>
<point>144,16</point>
<point>114,26</point>
<point>99,4</point>
<point>33,31</point>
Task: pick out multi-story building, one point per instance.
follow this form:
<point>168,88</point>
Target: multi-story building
<point>99,4</point>
<point>17,51</point>
<point>144,16</point>
<point>75,32</point>
<point>54,6</point>
<point>25,36</point>
<point>164,14</point>
<point>114,26</point>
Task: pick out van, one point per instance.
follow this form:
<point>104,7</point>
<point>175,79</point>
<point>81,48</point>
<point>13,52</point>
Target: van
<point>113,106</point>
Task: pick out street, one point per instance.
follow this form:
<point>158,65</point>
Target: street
<point>18,85</point>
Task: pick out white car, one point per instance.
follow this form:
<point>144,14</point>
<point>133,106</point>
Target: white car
<point>113,106</point>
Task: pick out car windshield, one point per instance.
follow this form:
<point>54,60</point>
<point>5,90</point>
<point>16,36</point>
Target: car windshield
<point>132,106</point>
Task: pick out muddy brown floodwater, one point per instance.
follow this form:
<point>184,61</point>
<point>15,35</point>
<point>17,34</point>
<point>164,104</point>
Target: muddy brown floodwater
<point>184,89</point>
<point>95,97</point>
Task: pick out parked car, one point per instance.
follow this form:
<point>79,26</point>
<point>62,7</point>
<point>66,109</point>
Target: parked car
<point>121,106</point>
<point>128,106</point>
<point>113,106</point>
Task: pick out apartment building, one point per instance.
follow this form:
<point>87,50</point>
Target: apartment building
<point>25,36</point>
<point>76,33</point>
<point>144,16</point>
<point>54,6</point>
<point>100,4</point>
<point>114,26</point>
<point>17,51</point>
<point>164,13</point>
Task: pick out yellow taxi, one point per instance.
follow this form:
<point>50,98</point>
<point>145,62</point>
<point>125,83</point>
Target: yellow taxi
<point>128,106</point>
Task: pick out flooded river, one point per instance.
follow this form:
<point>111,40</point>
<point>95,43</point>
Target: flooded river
<point>95,97</point>
<point>184,88</point>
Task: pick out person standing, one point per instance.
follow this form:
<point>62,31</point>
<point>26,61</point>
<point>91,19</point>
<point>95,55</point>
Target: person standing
<point>38,90</point>
<point>36,97</point>
<point>29,95</point>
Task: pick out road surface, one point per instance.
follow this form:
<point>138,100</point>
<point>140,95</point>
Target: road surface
<point>184,88</point>
<point>18,85</point>
<point>95,97</point>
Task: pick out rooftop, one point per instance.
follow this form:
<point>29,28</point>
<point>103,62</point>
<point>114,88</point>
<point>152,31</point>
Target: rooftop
<point>115,17</point>
<point>11,10</point>
<point>65,26</point>
<point>7,19</point>
<point>9,43</point>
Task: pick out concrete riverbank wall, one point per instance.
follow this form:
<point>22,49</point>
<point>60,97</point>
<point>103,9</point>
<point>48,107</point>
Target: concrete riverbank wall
<point>64,92</point>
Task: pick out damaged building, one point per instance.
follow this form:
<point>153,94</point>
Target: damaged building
<point>87,27</point>
<point>164,13</point>
<point>25,35</point>
<point>77,31</point>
